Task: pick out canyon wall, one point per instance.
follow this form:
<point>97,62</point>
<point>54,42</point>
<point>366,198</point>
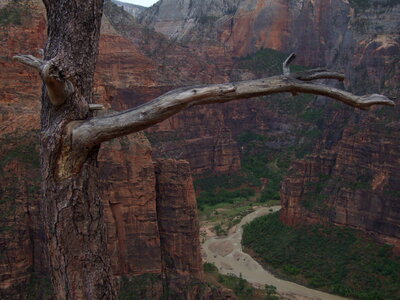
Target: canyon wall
<point>355,183</point>
<point>351,178</point>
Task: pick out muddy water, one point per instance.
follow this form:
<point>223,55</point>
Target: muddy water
<point>227,254</point>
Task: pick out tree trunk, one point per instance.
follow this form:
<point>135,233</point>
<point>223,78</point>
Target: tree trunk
<point>72,210</point>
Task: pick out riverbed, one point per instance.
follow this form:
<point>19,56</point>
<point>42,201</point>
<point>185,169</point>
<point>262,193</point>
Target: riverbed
<point>228,256</point>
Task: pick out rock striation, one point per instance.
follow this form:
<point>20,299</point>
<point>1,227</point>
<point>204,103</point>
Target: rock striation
<point>151,216</point>
<point>178,228</point>
<point>355,183</point>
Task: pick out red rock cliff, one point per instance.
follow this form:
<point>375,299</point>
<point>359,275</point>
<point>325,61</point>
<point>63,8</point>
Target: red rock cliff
<point>356,183</point>
<point>178,226</point>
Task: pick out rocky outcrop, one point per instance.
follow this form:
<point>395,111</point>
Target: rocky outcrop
<point>352,178</point>
<point>133,9</point>
<point>20,232</point>
<point>178,227</point>
<point>356,183</point>
<point>313,29</point>
<point>128,190</point>
<point>24,31</point>
<point>187,20</point>
<point>151,216</point>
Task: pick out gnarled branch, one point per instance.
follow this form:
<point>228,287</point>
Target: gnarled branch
<point>84,135</point>
<point>58,88</point>
<point>100,129</point>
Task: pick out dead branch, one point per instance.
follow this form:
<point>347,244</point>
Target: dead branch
<point>94,131</point>
<point>58,88</point>
<point>287,62</point>
<point>84,135</point>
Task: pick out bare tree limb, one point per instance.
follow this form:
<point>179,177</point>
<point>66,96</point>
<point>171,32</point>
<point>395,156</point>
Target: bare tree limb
<point>99,129</point>
<point>81,136</point>
<point>58,88</point>
<point>30,61</point>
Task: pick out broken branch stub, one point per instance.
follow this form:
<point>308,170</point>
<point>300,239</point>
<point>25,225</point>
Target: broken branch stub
<point>58,88</point>
<point>287,62</point>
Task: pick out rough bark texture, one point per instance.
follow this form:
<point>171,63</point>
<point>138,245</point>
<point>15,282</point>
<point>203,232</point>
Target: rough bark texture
<point>72,210</point>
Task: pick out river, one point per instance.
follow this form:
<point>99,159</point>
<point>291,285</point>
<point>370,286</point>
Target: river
<point>228,256</point>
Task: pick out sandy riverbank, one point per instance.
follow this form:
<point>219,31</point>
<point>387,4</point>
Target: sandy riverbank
<point>227,254</point>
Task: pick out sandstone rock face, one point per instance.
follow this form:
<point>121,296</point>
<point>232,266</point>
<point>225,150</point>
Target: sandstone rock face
<point>140,65</point>
<point>356,183</point>
<point>151,216</point>
<point>373,43</point>
<point>133,9</point>
<point>147,230</point>
<point>355,177</point>
<point>20,232</point>
<point>18,85</point>
<point>178,226</point>
<point>180,19</point>
<point>128,181</point>
<point>312,29</point>
<point>20,247</point>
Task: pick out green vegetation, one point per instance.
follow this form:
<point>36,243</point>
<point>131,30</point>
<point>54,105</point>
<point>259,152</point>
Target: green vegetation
<point>223,196</point>
<point>209,267</point>
<point>339,260</point>
<point>238,285</point>
<point>207,20</point>
<point>224,215</point>
<point>312,115</point>
<point>25,153</point>
<point>242,289</point>
<point>365,4</point>
<point>13,13</point>
<point>271,293</point>
<point>225,181</point>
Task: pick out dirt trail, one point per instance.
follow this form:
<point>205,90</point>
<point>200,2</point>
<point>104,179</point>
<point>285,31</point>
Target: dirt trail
<point>227,254</point>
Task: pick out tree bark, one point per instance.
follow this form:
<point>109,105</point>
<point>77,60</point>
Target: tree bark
<point>71,208</point>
